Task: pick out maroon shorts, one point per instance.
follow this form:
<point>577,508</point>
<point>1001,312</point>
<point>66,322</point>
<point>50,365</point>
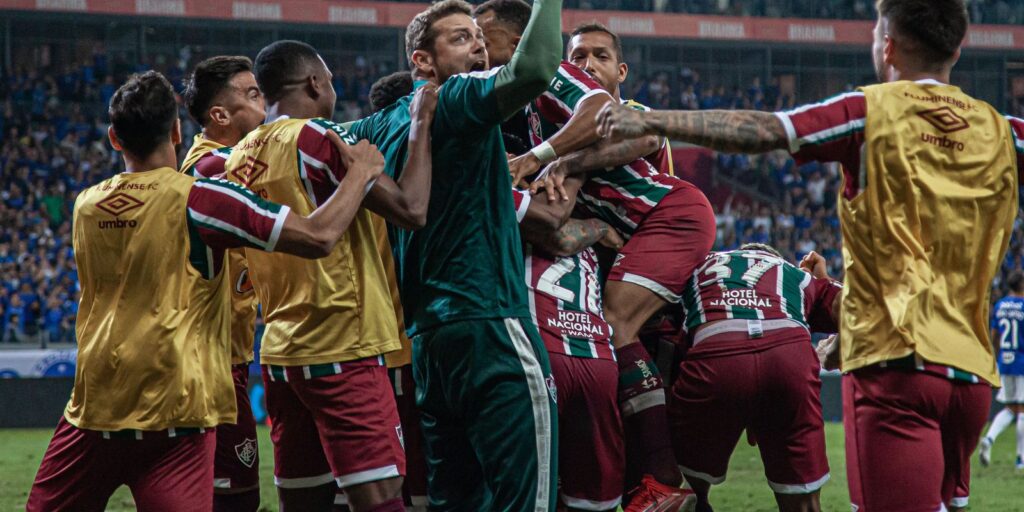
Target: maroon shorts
<point>909,438</point>
<point>669,244</point>
<point>772,393</point>
<point>236,466</point>
<point>333,422</point>
<point>591,449</point>
<point>82,468</point>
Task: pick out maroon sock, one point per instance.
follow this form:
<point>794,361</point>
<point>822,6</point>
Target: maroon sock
<point>395,505</point>
<point>248,501</point>
<point>644,417</point>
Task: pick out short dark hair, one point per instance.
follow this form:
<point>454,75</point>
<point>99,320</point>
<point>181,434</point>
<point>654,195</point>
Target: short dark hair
<point>937,27</point>
<point>420,33</point>
<point>280,63</point>
<point>514,13</point>
<point>208,80</point>
<point>389,89</point>
<point>142,113</point>
<point>1015,281</point>
<point>593,26</point>
<point>761,247</point>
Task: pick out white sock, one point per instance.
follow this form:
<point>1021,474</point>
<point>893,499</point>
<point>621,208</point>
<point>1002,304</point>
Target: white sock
<point>1000,422</point>
<point>1020,435</point>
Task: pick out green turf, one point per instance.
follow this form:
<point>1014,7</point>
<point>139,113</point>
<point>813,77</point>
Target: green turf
<point>993,488</point>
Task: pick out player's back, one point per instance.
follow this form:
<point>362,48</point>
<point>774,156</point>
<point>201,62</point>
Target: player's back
<point>925,237</point>
<point>1007,320</point>
<point>152,327</point>
<point>332,309</point>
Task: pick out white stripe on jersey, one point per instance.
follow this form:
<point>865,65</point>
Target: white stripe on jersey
<point>829,101</point>
<point>818,137</point>
<point>623,191</point>
<point>596,203</point>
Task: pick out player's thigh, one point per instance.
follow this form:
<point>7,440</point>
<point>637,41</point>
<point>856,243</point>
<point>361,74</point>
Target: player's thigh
<point>627,306</point>
<point>590,446</point>
<point>1011,393</point>
<point>75,473</point>
<point>788,424</point>
<point>711,405</point>
<point>894,456</point>
<point>179,475</point>
<point>299,460</point>
<point>236,461</point>
<point>961,430</point>
<point>355,414</point>
<point>442,371</point>
<point>513,421</point>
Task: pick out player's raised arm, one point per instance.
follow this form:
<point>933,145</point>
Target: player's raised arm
<point>546,224</point>
<point>534,63</point>
<point>734,131</point>
<point>404,202</point>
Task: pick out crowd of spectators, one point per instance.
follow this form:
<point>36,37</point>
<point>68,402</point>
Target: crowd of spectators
<point>53,145</point>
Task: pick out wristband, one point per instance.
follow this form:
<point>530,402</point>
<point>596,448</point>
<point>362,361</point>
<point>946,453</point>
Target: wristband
<point>544,152</point>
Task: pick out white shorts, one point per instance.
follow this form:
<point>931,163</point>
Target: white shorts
<point>1012,392</point>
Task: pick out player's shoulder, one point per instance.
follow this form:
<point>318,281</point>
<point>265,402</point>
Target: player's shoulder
<point>321,126</point>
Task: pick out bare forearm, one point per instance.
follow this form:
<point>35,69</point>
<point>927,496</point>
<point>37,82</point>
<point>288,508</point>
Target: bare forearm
<point>575,236</point>
<point>608,154</point>
<point>415,178</point>
<point>581,129</point>
<point>733,131</point>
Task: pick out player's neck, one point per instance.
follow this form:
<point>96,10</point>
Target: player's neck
<point>164,156</point>
<point>223,137</point>
<point>295,108</point>
<point>915,75</point>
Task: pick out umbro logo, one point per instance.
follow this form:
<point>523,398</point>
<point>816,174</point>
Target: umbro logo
<point>119,204</point>
<point>248,172</point>
<point>944,119</point>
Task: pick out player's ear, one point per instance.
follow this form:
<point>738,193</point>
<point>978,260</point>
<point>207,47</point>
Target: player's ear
<point>176,132</point>
<point>623,71</point>
<point>889,52</point>
<point>219,115</point>
<point>114,143</point>
<point>423,62</point>
<point>313,86</point>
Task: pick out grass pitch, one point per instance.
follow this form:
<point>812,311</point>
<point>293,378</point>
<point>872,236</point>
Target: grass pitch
<point>994,488</point>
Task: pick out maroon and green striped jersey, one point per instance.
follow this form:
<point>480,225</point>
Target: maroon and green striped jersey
<point>621,196</point>
<point>756,285</point>
<point>565,298</point>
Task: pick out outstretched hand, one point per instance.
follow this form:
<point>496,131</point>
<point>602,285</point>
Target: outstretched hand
<point>522,166</point>
<point>363,159</point>
<point>552,180</point>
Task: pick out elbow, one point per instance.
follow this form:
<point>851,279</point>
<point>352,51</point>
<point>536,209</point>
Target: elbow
<point>318,248</point>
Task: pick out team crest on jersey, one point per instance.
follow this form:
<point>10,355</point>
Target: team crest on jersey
<point>246,451</point>
<point>535,124</point>
<point>1009,357</point>
<point>552,388</point>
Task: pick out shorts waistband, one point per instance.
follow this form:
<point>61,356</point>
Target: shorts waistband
<point>753,328</point>
<point>312,371</point>
<point>142,435</point>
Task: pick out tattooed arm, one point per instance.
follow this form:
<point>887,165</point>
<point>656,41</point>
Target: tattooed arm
<point>574,236</point>
<point>733,131</point>
<point>592,159</point>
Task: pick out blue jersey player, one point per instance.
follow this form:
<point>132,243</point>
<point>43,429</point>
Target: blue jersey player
<point>1007,330</point>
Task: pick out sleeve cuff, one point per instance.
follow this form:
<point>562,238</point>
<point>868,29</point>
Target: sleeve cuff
<point>787,124</point>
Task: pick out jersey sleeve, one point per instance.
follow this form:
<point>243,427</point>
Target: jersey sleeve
<point>226,215</point>
<point>320,166</point>
<point>521,201</point>
<point>830,131</point>
<point>1017,131</point>
<point>211,165</point>
<point>468,102</point>
<point>820,294</point>
<point>566,92</point>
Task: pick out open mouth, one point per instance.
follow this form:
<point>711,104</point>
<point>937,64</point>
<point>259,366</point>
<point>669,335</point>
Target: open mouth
<point>480,65</point>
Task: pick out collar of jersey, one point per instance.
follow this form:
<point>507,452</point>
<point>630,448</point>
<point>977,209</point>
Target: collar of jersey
<point>419,83</point>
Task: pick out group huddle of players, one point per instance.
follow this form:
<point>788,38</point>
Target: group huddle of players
<point>466,293</point>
